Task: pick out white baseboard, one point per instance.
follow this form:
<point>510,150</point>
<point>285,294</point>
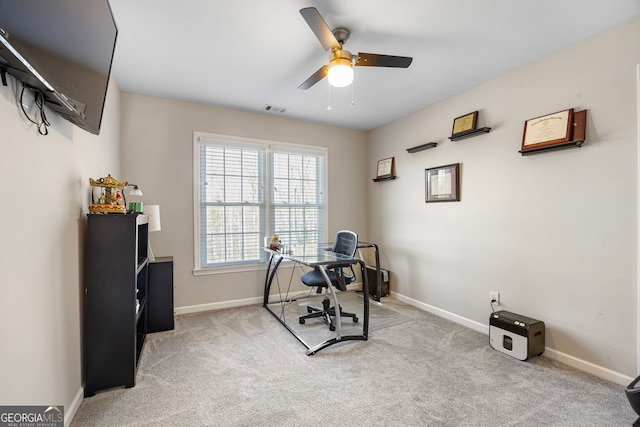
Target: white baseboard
<point>550,353</point>
<point>355,286</point>
<point>442,313</point>
<point>230,304</point>
<point>588,367</point>
<point>70,412</point>
<point>217,305</point>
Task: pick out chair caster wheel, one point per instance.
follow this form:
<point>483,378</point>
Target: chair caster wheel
<point>301,321</point>
<point>355,319</point>
<point>332,328</point>
<point>309,309</point>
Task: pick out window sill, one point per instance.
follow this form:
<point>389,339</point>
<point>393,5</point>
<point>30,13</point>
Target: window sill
<point>236,269</point>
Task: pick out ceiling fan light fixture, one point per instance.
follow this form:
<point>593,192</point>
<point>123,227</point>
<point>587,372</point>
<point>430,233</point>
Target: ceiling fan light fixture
<point>340,69</point>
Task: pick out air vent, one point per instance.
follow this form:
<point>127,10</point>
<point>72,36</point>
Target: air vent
<point>274,109</point>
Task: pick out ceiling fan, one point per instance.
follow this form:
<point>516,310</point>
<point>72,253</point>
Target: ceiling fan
<point>341,62</point>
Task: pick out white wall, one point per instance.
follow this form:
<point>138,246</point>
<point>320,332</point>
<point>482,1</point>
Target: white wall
<point>157,155</point>
<point>554,233</point>
<point>45,187</point>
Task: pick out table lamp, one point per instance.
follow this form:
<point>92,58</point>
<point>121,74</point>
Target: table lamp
<point>154,223</point>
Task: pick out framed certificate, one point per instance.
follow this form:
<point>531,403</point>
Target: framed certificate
<point>385,167</point>
<point>464,123</point>
<point>546,130</point>
<point>442,183</point>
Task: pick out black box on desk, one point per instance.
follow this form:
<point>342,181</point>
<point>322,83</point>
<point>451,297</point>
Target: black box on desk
<point>516,335</point>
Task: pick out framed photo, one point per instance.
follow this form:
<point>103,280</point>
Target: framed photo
<point>385,167</point>
<point>546,130</point>
<point>442,184</point>
<point>464,123</point>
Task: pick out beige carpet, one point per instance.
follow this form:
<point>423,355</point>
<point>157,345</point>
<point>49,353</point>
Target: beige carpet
<point>240,367</point>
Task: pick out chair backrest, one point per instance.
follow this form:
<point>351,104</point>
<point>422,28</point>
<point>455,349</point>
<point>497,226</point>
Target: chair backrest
<point>346,243</point>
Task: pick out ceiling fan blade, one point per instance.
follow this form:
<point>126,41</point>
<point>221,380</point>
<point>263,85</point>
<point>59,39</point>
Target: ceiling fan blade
<point>376,60</point>
<point>315,78</point>
<point>320,28</point>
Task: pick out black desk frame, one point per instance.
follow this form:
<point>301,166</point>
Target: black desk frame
<point>378,285</point>
<point>272,268</point>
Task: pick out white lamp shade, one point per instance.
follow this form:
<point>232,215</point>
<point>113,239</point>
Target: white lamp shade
<point>154,216</point>
<point>135,191</point>
<point>340,73</point>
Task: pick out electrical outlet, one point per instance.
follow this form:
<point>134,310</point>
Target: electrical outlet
<point>494,297</point>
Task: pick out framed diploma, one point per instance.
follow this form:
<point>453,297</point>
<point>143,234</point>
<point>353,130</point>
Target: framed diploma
<point>442,183</point>
<point>547,130</point>
<point>464,123</point>
<point>385,167</point>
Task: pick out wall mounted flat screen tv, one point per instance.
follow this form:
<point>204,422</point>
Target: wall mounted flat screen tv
<point>62,48</point>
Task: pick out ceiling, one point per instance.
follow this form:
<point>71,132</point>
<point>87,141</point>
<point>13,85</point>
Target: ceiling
<point>247,54</point>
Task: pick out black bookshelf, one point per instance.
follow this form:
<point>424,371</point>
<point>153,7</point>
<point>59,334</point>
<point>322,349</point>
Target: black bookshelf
<point>116,289</point>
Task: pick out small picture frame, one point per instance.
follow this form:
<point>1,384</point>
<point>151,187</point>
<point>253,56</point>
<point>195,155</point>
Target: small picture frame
<point>464,124</point>
<point>385,167</point>
<point>555,128</point>
<point>442,183</point>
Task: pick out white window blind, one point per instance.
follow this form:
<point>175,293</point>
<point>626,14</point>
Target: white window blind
<point>297,198</point>
<point>234,213</point>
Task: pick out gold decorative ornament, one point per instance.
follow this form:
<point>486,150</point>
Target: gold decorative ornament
<point>107,195</point>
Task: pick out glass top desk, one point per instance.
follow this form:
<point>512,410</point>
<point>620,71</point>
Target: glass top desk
<point>375,289</point>
<point>316,256</point>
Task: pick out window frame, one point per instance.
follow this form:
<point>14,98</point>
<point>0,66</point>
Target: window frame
<point>267,147</point>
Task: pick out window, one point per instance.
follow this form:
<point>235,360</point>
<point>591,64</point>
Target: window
<point>234,213</point>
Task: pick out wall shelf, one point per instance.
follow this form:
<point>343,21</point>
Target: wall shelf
<point>386,178</point>
<point>564,145</point>
<point>421,147</point>
<point>470,133</point>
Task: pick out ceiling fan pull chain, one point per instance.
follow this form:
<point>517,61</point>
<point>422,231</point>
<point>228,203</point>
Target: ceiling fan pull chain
<point>353,90</point>
<point>329,108</point>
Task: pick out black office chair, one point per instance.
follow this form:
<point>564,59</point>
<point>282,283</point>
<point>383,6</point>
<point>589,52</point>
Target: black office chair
<point>346,243</point>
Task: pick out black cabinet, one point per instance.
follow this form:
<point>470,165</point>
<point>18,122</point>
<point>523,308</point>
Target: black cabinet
<point>116,289</point>
<point>160,308</point>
